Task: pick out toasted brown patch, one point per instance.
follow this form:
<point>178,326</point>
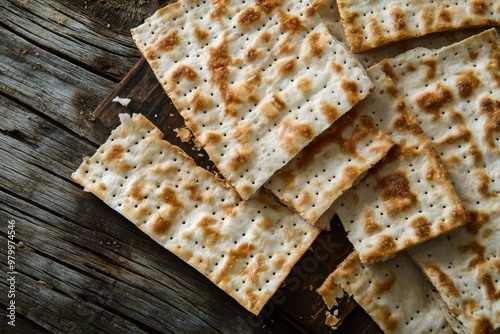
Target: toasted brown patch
<point>385,315</point>
<point>350,87</point>
<point>396,192</point>
<point>304,84</point>
<point>443,279</point>
<point>200,34</point>
<point>219,8</point>
<point>265,37</point>
<point>432,102</point>
<point>316,44</point>
<point>272,109</point>
<point>235,255</point>
<point>167,43</point>
<point>243,134</point>
<point>384,247</point>
<point>476,249</point>
<point>445,15</point>
<point>421,226</point>
<point>209,232</point>
<point>371,225</point>
<point>249,15</point>
<point>161,225</point>
<point>136,191</point>
<point>430,65</point>
<point>330,112</point>
<point>467,82</point>
<point>382,287</point>
<point>240,158</point>
<point>492,110</point>
<point>484,185</point>
<point>289,23</point>
<point>478,7</point>
<point>286,67</point>
<point>200,102</point>
<point>337,67</point>
<point>398,19</point>
<point>184,72</point>
<point>268,5</point>
<point>294,133</point>
<point>251,54</point>
<point>212,137</point>
<point>486,280</point>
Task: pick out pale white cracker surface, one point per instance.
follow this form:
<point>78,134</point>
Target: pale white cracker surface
<point>369,24</point>
<point>246,248</point>
<point>256,81</point>
<point>405,199</point>
<point>329,13</point>
<point>454,93</point>
<point>330,164</point>
<point>394,293</point>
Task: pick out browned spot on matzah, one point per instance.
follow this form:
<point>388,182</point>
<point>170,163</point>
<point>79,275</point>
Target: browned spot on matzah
<point>304,85</point>
<point>316,45</point>
<point>195,193</point>
<point>268,5</point>
<point>161,225</point>
<point>337,67</point>
<point>184,72</point>
<point>351,89</point>
<point>371,225</point>
<point>249,15</point>
<point>472,54</point>
<point>251,54</point>
<point>235,255</point>
<point>478,7</point>
<point>381,288</point>
<point>286,66</point>
<point>294,134</point>
<point>476,249</point>
<point>304,198</point>
<point>200,34</point>
<point>168,42</point>
<point>396,192</point>
<point>410,67</point>
<point>432,102</point>
<point>219,8</point>
<point>136,191</point>
<point>115,155</point>
<point>170,198</point>
<point>390,322</point>
<point>398,19</point>
<point>242,134</point>
<point>444,280</point>
<point>272,109</point>
<point>331,113</point>
<point>421,226</point>
<point>492,110</point>
<point>486,280</point>
<point>384,247</point>
<point>240,158</point>
<point>388,70</point>
<point>310,11</point>
<point>211,233</point>
<point>290,23</point>
<point>200,102</point>
<point>265,37</point>
<point>435,171</point>
<point>484,185</point>
<point>467,82</point>
<point>430,68</point>
<point>477,220</point>
<point>255,269</point>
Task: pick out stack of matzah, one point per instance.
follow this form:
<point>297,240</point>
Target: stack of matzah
<point>254,82</point>
<point>279,102</point>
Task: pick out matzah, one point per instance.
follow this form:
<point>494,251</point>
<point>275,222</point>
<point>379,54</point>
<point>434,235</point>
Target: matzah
<point>394,293</point>
<point>455,94</point>
<point>246,248</point>
<point>369,24</point>
<point>407,198</point>
<point>329,13</point>
<point>255,81</point>
<point>331,164</point>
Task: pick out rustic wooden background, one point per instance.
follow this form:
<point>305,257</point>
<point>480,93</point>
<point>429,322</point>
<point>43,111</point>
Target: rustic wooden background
<point>81,267</point>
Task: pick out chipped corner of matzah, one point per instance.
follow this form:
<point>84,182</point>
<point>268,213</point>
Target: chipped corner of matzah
<point>330,291</point>
<point>246,248</point>
<point>218,75</point>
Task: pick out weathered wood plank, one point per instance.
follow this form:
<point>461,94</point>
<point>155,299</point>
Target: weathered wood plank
<point>60,90</point>
<point>59,29</point>
<point>86,249</point>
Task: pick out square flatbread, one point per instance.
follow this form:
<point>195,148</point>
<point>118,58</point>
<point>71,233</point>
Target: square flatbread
<point>394,293</point>
<point>329,13</point>
<point>454,93</point>
<point>405,199</point>
<point>369,24</point>
<point>331,164</point>
<point>247,248</point>
<point>255,81</point>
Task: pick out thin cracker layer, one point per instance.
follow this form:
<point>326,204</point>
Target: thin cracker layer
<point>405,199</point>
<point>394,293</point>
<point>369,24</point>
<point>454,93</point>
<point>246,248</point>
<point>255,81</point>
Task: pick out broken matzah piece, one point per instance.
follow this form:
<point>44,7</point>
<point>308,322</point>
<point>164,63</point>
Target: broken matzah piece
<point>405,199</point>
<point>246,248</point>
<point>394,293</point>
<point>369,24</point>
<point>331,164</point>
<point>454,93</point>
<point>255,81</point>
<point>329,13</point>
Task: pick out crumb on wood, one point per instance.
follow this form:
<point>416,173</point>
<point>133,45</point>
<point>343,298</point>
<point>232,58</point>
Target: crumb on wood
<point>184,134</point>
<point>331,320</point>
<point>24,246</point>
<point>37,54</point>
<point>25,52</point>
<point>61,20</point>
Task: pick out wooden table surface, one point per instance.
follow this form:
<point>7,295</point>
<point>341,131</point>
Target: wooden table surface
<point>79,266</point>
